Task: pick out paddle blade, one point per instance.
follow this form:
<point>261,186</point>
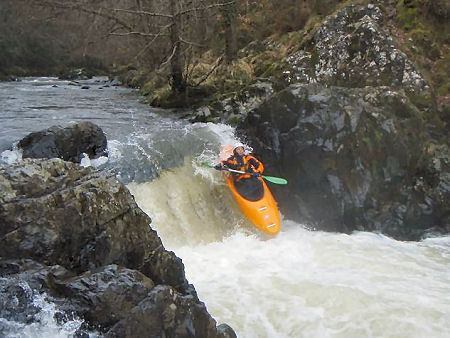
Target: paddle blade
<point>207,165</point>
<point>275,180</point>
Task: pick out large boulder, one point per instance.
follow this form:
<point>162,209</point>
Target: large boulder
<point>67,143</point>
<point>164,310</point>
<point>77,235</point>
<point>351,48</point>
<point>59,213</point>
<point>355,159</point>
<point>103,296</point>
<point>108,299</point>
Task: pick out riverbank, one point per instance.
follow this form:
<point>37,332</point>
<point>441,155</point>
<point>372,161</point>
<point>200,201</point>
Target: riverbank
<point>220,91</point>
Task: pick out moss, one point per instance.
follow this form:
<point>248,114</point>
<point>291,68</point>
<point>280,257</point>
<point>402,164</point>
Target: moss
<point>441,71</point>
<point>234,120</point>
<point>424,39</point>
<point>421,100</point>
<point>407,17</point>
<point>161,96</point>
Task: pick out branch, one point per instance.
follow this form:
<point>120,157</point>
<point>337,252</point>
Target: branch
<point>170,57</point>
<point>79,7</point>
<point>203,79</point>
<point>138,33</point>
<point>153,40</point>
<point>190,42</point>
<point>206,7</point>
<point>162,15</point>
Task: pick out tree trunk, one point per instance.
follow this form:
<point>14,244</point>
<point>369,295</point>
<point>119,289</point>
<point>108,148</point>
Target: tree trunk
<point>176,61</point>
<point>229,15</point>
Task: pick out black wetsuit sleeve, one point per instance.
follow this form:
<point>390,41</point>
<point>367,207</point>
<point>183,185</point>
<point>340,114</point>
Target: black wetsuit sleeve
<point>228,162</point>
<point>254,163</point>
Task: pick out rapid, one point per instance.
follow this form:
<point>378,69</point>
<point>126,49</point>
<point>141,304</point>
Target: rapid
<point>301,283</point>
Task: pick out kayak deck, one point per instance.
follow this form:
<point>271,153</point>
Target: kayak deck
<point>263,213</point>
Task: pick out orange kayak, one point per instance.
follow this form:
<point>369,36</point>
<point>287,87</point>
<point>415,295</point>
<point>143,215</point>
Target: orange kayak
<point>263,213</point>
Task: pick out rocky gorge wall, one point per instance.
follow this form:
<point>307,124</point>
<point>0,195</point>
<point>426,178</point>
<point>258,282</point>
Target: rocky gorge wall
<point>78,236</point>
<point>356,132</point>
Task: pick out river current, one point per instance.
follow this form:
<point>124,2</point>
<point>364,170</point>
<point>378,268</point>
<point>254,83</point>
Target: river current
<point>300,284</point>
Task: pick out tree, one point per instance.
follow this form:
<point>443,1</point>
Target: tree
<point>167,28</point>
<point>229,13</point>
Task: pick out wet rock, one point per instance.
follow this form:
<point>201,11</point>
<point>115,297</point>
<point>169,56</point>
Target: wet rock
<point>114,82</point>
<point>225,331</point>
<point>103,296</point>
<point>16,301</point>
<point>58,213</point>
<point>36,275</point>
<point>353,158</point>
<point>76,74</point>
<point>85,87</point>
<point>76,237</point>
<point>9,78</point>
<point>67,143</point>
<point>165,310</point>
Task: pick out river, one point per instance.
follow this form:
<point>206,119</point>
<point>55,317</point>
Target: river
<point>300,284</point>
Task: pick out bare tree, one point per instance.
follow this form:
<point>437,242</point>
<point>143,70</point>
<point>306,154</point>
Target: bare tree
<point>229,13</point>
<point>167,31</point>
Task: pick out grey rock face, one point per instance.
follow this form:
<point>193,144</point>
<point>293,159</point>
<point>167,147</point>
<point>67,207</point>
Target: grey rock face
<point>352,49</point>
<point>354,159</point>
<point>105,295</point>
<point>66,143</point>
<point>58,213</point>
<point>164,310</point>
<point>233,109</point>
<point>77,236</point>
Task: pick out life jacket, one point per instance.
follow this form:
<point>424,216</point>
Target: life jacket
<point>247,163</point>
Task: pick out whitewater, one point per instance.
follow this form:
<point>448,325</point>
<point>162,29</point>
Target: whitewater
<point>301,283</point>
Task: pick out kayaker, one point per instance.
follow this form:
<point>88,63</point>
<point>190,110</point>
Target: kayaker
<point>242,162</point>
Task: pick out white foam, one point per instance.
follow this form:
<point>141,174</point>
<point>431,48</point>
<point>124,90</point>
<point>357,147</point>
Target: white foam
<point>44,324</point>
<point>315,284</point>
<point>11,156</point>
<point>114,152</point>
<point>301,283</point>
<point>96,162</point>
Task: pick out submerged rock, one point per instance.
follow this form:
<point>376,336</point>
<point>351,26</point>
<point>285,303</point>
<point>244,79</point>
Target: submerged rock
<point>67,143</point>
<point>78,235</point>
<point>354,159</point>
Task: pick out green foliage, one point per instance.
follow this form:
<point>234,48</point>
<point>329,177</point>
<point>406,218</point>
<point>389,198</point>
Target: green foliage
<point>428,41</point>
<point>408,13</point>
<point>441,76</point>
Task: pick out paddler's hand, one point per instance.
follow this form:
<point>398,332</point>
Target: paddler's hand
<point>256,175</point>
<point>218,166</point>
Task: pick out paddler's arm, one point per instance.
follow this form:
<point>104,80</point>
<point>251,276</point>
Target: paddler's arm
<point>256,165</point>
<point>229,163</point>
<point>222,165</point>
